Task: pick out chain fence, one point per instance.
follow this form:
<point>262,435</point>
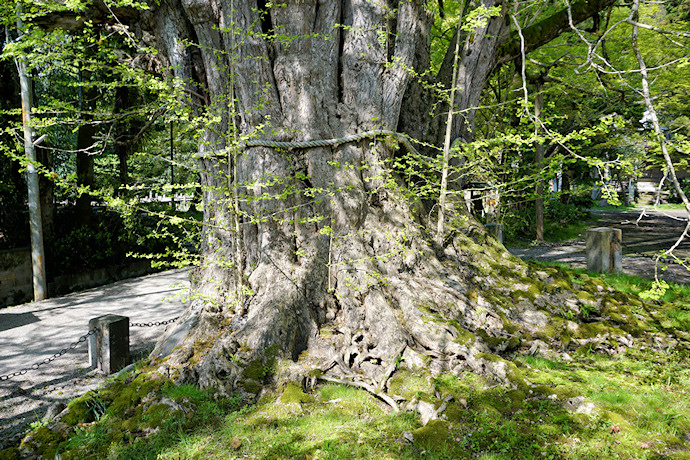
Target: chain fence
<point>74,345</point>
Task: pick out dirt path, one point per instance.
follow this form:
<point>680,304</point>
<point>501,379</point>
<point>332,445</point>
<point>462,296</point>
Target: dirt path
<point>644,236</point>
<point>32,332</point>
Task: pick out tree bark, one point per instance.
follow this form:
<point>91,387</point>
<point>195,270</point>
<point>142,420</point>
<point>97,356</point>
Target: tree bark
<point>338,270</point>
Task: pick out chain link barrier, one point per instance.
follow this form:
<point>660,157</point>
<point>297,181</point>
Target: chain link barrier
<point>154,323</point>
<point>74,345</point>
<point>50,359</point>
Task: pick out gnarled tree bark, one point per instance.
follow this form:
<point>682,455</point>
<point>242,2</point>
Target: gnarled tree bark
<point>334,258</point>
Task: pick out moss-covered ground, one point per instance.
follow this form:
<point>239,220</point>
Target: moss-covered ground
<point>633,404</point>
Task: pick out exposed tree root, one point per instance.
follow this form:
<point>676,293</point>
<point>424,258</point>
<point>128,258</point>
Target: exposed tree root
<point>453,314</point>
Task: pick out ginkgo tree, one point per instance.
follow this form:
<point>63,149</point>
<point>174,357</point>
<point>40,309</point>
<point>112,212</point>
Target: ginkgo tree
<point>318,119</point>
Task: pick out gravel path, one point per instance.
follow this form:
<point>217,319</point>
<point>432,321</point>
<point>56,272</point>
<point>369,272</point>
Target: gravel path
<point>32,332</point>
<point>644,236</point>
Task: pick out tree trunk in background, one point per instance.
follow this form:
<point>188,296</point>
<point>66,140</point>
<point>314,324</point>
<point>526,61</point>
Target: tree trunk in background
<point>85,143</point>
<point>123,136</point>
<point>539,163</point>
<point>46,185</point>
<point>84,175</point>
<point>47,194</point>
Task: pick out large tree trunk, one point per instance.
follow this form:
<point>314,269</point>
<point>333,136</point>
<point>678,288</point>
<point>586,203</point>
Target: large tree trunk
<point>318,249</point>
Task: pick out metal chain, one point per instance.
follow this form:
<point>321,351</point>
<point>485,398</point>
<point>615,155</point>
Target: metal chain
<point>74,345</point>
<point>154,323</point>
<point>50,359</point>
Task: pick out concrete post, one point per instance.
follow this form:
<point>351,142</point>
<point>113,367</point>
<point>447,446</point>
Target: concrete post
<point>109,345</point>
<point>604,250</point>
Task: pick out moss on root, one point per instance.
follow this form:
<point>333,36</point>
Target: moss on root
<point>42,441</point>
<point>410,385</point>
<point>81,409</point>
<point>11,453</point>
<point>293,394</point>
<point>434,435</point>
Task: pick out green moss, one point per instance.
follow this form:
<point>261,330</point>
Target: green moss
<point>513,374</point>
<point>516,399</point>
<point>455,412</point>
<point>618,420</point>
<point>464,336</point>
<point>586,297</point>
<point>44,440</point>
<point>509,326</point>
<point>472,295</point>
<point>255,370</point>
<point>293,394</point>
<point>502,271</point>
<point>562,392</point>
<point>548,429</point>
<point>155,415</point>
<point>546,333</point>
<point>560,283</point>
<point>272,352</point>
<point>125,397</point>
<point>590,330</point>
<point>535,289</point>
<point>493,342</point>
<point>200,348</point>
<point>518,294</point>
<point>435,434</point>
<point>510,343</point>
<point>80,410</point>
<point>11,453</point>
<point>252,387</point>
<point>410,384</point>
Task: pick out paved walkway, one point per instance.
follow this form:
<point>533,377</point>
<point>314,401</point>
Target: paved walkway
<point>32,332</point>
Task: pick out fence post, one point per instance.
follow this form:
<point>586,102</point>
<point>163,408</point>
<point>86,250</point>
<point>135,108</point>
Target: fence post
<point>109,345</point>
<point>604,250</point>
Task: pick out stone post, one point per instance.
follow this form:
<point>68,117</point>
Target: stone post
<point>604,250</point>
<point>109,345</point>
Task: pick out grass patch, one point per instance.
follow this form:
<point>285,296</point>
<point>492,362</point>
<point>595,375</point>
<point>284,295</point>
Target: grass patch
<point>570,232</point>
<point>609,207</point>
<point>640,400</point>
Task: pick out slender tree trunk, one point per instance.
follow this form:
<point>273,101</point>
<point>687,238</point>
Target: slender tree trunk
<point>123,135</point>
<point>33,196</point>
<point>539,163</point>
<point>45,185</point>
<point>85,143</point>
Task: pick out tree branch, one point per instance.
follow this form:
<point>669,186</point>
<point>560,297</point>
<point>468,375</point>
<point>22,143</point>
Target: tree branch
<point>546,30</point>
<point>97,13</point>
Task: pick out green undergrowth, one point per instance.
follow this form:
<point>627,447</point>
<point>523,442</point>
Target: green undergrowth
<point>590,405</point>
<point>640,407</point>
